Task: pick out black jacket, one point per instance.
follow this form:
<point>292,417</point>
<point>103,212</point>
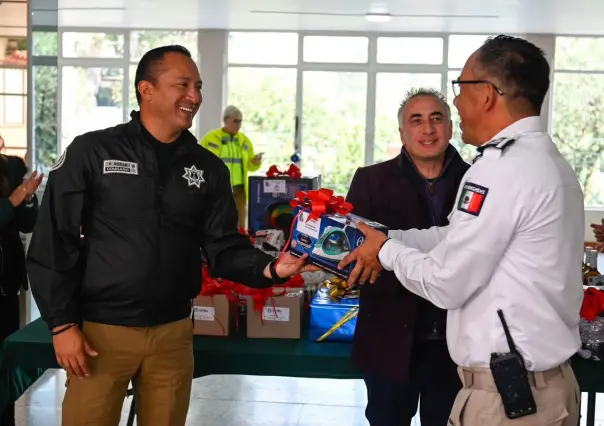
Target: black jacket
<point>139,263</point>
<point>391,318</point>
<point>13,273</point>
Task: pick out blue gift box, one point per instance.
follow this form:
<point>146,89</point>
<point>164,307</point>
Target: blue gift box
<point>329,239</point>
<point>326,312</point>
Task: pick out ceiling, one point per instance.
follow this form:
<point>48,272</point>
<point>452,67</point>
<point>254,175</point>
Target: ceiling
<point>466,16</point>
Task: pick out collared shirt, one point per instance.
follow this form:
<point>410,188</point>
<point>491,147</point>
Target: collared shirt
<point>515,243</point>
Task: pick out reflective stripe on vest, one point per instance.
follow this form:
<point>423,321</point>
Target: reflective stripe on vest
<point>231,155</point>
<point>233,160</point>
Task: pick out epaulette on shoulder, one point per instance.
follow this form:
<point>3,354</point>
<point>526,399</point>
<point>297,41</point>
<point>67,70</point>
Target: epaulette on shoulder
<point>499,143</point>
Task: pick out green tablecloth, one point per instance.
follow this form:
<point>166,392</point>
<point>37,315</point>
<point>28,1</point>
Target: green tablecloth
<point>26,354</point>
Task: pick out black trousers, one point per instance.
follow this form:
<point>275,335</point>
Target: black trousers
<point>433,383</point>
<point>9,323</point>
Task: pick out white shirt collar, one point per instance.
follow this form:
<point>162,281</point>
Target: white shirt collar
<point>524,125</point>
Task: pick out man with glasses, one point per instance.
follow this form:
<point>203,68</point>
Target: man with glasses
<point>507,267</point>
<point>231,145</point>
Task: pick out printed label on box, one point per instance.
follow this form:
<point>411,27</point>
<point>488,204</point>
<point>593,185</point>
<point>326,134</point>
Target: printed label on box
<point>204,313</point>
<point>275,187</point>
<point>277,313</point>
<point>311,227</point>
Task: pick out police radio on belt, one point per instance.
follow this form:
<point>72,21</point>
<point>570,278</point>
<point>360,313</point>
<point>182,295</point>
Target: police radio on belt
<point>511,379</point>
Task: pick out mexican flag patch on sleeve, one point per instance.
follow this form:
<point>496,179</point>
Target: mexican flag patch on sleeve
<point>472,198</point>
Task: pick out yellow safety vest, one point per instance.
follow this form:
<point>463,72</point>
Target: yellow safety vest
<point>224,146</point>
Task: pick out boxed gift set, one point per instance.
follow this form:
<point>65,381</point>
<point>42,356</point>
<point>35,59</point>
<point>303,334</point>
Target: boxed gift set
<point>326,230</point>
<point>269,198</point>
<point>333,312</point>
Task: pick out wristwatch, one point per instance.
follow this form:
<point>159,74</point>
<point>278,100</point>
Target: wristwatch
<point>273,271</point>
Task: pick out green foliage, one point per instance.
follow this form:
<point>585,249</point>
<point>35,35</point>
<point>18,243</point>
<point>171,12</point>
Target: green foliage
<point>333,129</point>
<point>578,128</point>
<point>579,53</point>
<point>267,99</point>
<point>45,113</point>
<point>45,43</point>
<point>333,132</point>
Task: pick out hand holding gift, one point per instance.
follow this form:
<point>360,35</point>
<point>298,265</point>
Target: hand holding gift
<point>367,266</point>
<point>288,265</point>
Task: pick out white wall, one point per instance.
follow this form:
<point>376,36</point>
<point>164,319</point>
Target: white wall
<point>213,70</point>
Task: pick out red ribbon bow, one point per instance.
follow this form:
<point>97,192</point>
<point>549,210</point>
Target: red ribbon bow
<point>293,171</point>
<point>593,303</point>
<point>320,202</point>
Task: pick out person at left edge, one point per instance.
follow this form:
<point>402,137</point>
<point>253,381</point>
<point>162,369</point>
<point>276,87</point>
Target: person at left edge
<point>18,211</point>
<point>150,202</point>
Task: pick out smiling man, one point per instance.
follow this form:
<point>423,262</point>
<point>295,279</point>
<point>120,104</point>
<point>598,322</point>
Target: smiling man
<point>148,201</point>
<point>400,338</point>
<point>507,267</point>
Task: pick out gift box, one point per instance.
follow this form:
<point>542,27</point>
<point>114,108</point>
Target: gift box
<point>333,312</point>
<point>213,315</point>
<point>326,230</point>
<point>269,198</point>
<point>275,313</point>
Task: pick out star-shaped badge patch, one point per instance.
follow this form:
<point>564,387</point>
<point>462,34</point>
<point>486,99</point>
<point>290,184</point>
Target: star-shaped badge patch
<point>193,176</point>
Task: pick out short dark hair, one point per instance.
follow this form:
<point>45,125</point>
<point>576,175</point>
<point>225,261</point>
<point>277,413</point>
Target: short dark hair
<point>422,91</point>
<point>519,66</point>
<point>149,67</point>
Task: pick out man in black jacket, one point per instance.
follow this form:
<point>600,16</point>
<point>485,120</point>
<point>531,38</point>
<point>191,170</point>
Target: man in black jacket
<point>149,202</point>
<point>400,338</point>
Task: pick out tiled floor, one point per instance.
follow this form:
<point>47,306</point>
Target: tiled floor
<point>238,401</point>
<point>228,401</point>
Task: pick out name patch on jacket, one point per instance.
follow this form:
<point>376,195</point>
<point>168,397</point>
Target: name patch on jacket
<point>116,166</point>
<point>472,198</point>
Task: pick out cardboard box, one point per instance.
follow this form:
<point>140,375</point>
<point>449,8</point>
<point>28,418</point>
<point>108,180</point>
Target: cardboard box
<point>212,315</point>
<point>279,318</point>
<point>332,319</point>
<point>329,239</point>
<point>269,202</point>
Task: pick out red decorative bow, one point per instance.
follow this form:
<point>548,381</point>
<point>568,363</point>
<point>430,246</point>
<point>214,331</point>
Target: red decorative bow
<point>593,303</point>
<point>293,171</point>
<point>320,202</point>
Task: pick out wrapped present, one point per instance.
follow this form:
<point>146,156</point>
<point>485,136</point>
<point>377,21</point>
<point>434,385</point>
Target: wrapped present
<point>333,312</point>
<point>215,308</point>
<point>270,195</point>
<point>325,229</point>
<point>275,312</point>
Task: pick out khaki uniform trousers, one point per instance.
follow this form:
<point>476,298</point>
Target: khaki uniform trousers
<point>159,362</point>
<point>556,393</point>
<point>241,203</point>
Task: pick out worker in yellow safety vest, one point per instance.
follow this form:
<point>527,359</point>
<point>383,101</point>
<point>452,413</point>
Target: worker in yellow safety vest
<point>237,152</point>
